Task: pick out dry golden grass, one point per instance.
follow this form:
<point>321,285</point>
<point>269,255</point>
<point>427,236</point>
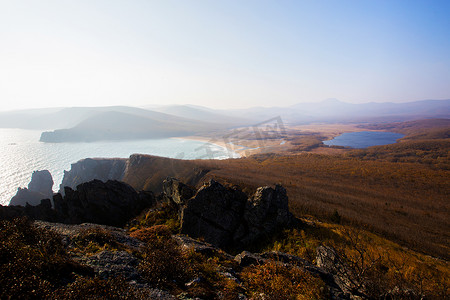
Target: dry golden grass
<point>403,201</point>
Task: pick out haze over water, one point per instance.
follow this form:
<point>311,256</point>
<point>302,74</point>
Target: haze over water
<point>21,153</point>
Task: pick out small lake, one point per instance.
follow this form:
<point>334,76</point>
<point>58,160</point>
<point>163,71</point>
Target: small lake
<point>364,139</point>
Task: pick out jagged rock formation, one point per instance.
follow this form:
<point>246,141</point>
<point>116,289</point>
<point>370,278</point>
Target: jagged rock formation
<point>178,191</point>
<point>93,168</point>
<point>109,203</point>
<point>225,217</point>
<point>40,187</point>
<point>42,211</point>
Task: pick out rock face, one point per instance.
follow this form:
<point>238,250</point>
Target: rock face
<point>178,191</point>
<point>226,217</point>
<point>111,203</point>
<point>93,168</point>
<point>40,187</point>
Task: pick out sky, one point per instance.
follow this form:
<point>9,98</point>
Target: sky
<point>221,54</point>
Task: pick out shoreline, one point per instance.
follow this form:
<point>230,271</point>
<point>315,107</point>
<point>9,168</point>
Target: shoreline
<point>211,141</point>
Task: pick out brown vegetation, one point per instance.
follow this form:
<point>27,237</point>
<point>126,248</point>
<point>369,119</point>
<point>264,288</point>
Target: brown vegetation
<point>413,128</point>
<point>434,153</point>
<point>403,201</point>
<point>276,281</point>
<point>369,265</point>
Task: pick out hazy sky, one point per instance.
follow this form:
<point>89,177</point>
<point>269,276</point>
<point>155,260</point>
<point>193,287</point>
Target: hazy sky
<point>221,53</point>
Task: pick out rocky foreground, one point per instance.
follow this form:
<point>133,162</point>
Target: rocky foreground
<point>106,240</point>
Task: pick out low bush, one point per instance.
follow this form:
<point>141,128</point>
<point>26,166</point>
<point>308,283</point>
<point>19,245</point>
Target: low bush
<point>276,281</point>
<point>33,261</point>
<point>95,239</point>
<point>164,214</point>
<point>163,263</point>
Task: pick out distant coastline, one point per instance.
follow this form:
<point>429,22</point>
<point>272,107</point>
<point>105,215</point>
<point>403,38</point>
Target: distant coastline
<point>21,153</point>
<point>216,142</point>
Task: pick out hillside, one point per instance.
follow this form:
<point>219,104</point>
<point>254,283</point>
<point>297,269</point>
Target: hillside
<point>405,202</point>
<point>118,125</point>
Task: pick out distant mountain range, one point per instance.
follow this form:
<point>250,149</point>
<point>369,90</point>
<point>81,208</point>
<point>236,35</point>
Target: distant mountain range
<point>333,110</point>
<point>86,124</point>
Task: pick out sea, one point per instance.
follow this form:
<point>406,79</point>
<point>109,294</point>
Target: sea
<point>21,153</point>
<point>364,139</point>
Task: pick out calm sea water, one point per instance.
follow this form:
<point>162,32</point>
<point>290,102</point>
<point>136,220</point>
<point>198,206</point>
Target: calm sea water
<point>364,139</point>
<point>21,153</point>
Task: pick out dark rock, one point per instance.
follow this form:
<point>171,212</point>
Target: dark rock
<point>265,212</point>
<point>207,249</point>
<point>177,191</point>
<point>246,258</point>
<point>89,169</point>
<point>214,213</point>
<point>40,187</point>
<point>41,182</point>
<point>329,260</point>
<point>43,211</point>
<point>224,216</point>
<point>111,203</point>
<point>70,231</point>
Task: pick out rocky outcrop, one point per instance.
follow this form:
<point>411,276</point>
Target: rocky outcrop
<point>40,187</point>
<point>43,211</point>
<point>178,191</point>
<point>93,168</point>
<point>225,216</point>
<point>349,279</point>
<point>110,203</point>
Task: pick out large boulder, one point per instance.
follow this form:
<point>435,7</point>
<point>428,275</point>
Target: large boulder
<point>214,213</point>
<point>109,203</point>
<point>225,216</point>
<point>40,187</point>
<point>177,191</point>
<point>265,212</point>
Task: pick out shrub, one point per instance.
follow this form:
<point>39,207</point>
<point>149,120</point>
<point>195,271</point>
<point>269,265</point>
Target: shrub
<point>33,261</point>
<point>150,234</point>
<point>273,280</point>
<point>96,288</point>
<point>163,263</point>
<point>164,214</point>
<point>95,239</point>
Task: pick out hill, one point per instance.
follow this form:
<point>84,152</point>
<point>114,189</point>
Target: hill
<point>403,201</point>
<point>203,114</point>
<point>119,125</point>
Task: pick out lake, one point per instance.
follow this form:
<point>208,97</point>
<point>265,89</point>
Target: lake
<point>364,139</point>
<point>21,153</point>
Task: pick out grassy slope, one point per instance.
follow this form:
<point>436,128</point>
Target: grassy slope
<point>406,202</point>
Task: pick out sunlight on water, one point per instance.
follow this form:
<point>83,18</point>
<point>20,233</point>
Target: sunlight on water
<point>21,153</point>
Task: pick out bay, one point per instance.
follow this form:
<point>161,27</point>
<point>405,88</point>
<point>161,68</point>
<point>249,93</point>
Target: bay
<point>21,153</point>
